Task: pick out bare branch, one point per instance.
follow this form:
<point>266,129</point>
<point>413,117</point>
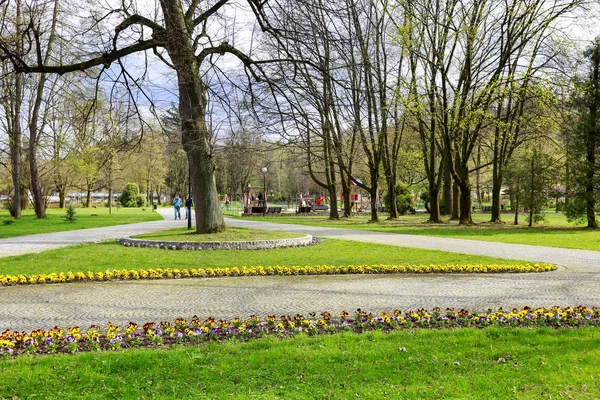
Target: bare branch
<point>105,59</point>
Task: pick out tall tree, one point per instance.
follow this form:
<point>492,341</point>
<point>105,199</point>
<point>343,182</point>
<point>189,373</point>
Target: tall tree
<point>12,99</point>
<point>585,141</point>
<point>182,38</point>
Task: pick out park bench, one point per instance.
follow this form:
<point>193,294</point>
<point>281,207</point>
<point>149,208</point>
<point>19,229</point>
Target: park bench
<point>274,210</point>
<point>257,209</point>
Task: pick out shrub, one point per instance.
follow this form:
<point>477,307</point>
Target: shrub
<point>140,200</point>
<point>130,196</point>
<point>70,214</point>
<point>404,199</point>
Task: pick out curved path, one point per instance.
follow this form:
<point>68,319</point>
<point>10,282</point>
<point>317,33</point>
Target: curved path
<point>28,307</point>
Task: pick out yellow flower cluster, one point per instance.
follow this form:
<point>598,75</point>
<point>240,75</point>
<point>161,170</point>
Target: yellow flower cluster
<point>174,273</point>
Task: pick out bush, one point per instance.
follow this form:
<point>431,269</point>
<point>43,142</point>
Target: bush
<point>70,214</point>
<point>404,199</point>
<point>140,200</point>
<point>130,196</point>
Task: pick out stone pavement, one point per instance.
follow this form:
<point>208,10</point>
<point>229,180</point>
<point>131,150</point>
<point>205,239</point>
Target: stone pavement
<point>81,304</point>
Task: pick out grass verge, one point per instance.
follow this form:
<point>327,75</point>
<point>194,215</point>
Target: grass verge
<point>556,233</point>
<point>111,255</point>
<point>85,218</point>
<point>232,234</point>
<point>491,363</point>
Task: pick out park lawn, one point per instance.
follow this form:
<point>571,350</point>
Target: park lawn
<point>490,363</point>
<point>85,218</point>
<point>111,255</point>
<point>557,232</point>
<point>232,234</point>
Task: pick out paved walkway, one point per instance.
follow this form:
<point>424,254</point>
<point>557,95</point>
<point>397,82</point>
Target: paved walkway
<point>42,306</point>
<point>47,241</point>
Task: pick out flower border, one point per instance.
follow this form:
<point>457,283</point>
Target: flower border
<point>176,273</point>
<point>153,335</point>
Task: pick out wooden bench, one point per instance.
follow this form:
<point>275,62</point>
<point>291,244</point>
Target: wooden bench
<point>274,210</point>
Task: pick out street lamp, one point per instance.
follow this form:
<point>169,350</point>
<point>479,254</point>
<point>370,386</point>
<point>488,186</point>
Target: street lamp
<point>264,171</point>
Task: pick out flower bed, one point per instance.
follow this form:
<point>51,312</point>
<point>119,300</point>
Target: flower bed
<point>307,240</point>
<point>181,331</point>
<point>175,273</point>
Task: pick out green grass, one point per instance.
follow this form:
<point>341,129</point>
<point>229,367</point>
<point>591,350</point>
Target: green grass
<point>99,257</point>
<point>231,235</point>
<point>85,218</point>
<point>555,233</point>
<point>491,363</point>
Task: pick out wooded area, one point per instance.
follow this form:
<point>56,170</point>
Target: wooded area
<point>454,100</point>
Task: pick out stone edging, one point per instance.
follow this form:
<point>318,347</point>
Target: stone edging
<point>248,245</point>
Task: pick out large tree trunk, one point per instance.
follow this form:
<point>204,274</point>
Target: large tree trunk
<point>195,137</point>
<point>465,196</point>
<point>346,193</point>
<point>496,193</point>
<point>434,204</point>
<point>333,211</point>
<point>455,200</point>
<point>374,193</point>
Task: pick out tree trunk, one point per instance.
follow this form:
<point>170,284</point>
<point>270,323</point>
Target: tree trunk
<point>374,192</point>
<point>391,183</point>
<point>434,203</point>
<point>590,200</point>
<point>88,199</point>
<point>447,190</point>
<point>38,197</point>
<point>455,200</point>
<point>347,193</point>
<point>333,210</point>
<point>465,196</point>
<point>148,190</point>
<point>110,198</point>
<point>15,163</point>
<point>195,136</point>
<point>516,221</point>
<point>62,194</point>
<point>496,196</point>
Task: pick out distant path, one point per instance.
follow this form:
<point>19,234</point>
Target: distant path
<point>81,304</point>
<point>46,241</point>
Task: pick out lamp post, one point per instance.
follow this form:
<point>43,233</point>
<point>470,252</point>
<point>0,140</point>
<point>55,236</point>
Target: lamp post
<point>264,171</point>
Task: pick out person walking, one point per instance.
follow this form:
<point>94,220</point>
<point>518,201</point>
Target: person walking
<point>177,207</point>
<point>188,207</point>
